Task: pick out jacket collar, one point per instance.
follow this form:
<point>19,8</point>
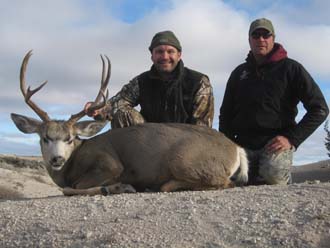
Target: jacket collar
<point>278,53</point>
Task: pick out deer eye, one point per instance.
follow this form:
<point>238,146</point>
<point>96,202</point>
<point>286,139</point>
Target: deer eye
<point>69,140</point>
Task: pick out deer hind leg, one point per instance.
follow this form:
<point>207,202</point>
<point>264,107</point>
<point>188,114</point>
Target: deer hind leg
<point>117,188</point>
<point>175,185</point>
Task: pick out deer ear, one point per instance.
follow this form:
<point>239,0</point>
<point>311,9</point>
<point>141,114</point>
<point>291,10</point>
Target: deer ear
<point>89,128</point>
<point>26,124</point>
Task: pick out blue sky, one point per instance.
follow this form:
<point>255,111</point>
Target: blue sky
<point>68,36</point>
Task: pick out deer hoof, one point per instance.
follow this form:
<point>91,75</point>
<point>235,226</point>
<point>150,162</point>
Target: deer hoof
<point>128,189</point>
<point>117,189</point>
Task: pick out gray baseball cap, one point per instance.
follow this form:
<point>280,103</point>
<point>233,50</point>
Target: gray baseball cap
<point>262,23</point>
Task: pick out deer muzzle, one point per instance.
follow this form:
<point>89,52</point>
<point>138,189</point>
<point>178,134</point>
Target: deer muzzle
<point>57,162</point>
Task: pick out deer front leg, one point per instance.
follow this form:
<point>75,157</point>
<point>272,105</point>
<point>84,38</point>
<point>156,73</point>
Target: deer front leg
<point>90,191</point>
<point>117,188</point>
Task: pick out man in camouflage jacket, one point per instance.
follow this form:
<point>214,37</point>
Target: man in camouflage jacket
<point>168,92</point>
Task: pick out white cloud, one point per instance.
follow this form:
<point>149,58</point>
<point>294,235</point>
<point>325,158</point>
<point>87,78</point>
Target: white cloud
<point>68,36</point>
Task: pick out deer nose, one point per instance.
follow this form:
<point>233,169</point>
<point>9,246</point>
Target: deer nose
<point>57,161</point>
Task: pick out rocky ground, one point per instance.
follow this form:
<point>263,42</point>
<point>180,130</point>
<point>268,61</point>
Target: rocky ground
<point>35,214</point>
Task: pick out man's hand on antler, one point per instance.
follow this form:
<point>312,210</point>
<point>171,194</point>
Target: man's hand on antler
<point>92,112</point>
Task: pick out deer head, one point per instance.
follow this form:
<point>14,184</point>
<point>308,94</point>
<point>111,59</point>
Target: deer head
<point>58,139</point>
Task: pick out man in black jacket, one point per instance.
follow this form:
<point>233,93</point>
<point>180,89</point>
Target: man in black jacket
<point>260,105</point>
<point>168,92</point>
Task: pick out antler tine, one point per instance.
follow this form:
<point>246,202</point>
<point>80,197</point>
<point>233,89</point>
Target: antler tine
<point>104,80</point>
<point>103,93</point>
<point>28,93</point>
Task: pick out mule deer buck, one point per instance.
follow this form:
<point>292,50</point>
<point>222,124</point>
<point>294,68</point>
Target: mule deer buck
<point>160,157</point>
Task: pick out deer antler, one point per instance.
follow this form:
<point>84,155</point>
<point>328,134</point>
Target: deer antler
<point>27,93</point>
<point>103,93</point>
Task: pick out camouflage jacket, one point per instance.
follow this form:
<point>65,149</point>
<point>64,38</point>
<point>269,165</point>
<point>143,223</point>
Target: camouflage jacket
<point>128,98</point>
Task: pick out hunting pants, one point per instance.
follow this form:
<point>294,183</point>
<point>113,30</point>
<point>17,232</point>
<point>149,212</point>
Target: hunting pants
<point>269,168</point>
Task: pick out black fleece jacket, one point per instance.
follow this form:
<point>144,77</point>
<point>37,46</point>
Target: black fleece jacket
<point>169,100</point>
<point>260,101</point>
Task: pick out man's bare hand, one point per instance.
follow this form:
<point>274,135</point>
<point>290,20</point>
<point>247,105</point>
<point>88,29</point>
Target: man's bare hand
<point>278,144</point>
<point>92,113</point>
